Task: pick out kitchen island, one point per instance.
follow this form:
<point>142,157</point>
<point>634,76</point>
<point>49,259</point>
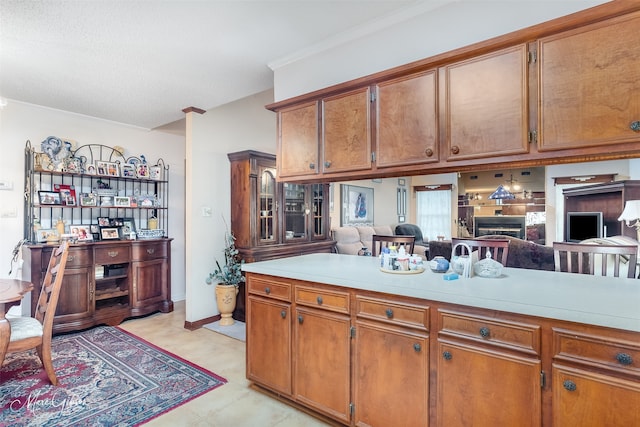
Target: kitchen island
<point>334,334</point>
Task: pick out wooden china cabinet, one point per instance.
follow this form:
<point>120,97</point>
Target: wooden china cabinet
<point>271,219</point>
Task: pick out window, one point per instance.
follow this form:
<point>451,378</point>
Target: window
<point>434,213</point>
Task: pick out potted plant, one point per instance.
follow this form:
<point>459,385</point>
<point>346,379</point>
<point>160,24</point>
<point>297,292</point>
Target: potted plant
<point>227,278</point>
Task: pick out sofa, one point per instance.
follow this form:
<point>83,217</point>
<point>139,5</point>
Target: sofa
<point>350,239</point>
<point>522,253</point>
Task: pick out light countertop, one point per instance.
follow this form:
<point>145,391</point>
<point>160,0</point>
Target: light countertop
<point>602,301</point>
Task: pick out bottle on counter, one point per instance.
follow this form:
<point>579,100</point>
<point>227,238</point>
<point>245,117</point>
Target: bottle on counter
<point>393,258</point>
<point>403,259</point>
<point>385,259</point>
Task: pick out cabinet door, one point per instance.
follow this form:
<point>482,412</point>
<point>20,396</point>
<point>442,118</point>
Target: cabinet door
<point>486,388</point>
<point>149,279</point>
<point>589,86</point>
<point>269,343</point>
<point>582,398</point>
<point>346,136</point>
<point>391,377</point>
<point>298,140</point>
<point>407,121</point>
<point>267,207</point>
<point>75,302</point>
<point>322,368</point>
<point>486,105</point>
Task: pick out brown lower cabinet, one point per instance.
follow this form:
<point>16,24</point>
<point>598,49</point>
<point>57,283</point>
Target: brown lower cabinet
<point>105,282</point>
<point>361,358</point>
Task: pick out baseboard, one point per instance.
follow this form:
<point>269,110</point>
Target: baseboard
<point>192,326</point>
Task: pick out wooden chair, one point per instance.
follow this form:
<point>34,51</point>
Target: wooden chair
<point>499,248</point>
<point>378,242</point>
<point>35,332</point>
<point>579,257</point>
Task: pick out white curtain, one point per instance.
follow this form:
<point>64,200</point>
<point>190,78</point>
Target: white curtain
<point>434,213</point>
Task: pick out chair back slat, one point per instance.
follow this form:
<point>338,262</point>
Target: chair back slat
<point>51,286</point>
<point>581,258</point>
<point>379,241</point>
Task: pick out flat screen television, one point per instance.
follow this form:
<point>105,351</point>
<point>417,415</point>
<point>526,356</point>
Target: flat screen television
<point>584,225</point>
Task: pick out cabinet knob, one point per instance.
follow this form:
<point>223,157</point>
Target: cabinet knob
<point>485,332</point>
<point>569,385</point>
<point>624,358</point>
<point>267,290</point>
<point>389,313</point>
<point>417,347</point>
<point>283,314</point>
<point>455,149</point>
<point>327,164</point>
<point>151,251</point>
<point>312,165</point>
<point>300,319</point>
<point>70,258</point>
<point>447,355</point>
<point>428,152</point>
<point>635,126</point>
<point>319,300</point>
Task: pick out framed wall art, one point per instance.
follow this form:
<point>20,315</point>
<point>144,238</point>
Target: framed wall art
<point>357,205</point>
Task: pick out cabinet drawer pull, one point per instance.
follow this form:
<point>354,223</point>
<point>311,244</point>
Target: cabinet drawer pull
<point>389,313</point>
<point>484,332</point>
<point>624,358</point>
<point>312,165</point>
<point>319,300</point>
<point>327,164</point>
<point>455,149</point>
<point>447,355</point>
<point>417,347</point>
<point>70,258</point>
<point>112,254</point>
<point>300,319</point>
<point>569,385</point>
<point>635,126</point>
<point>267,290</point>
<point>428,152</point>
<point>283,314</point>
<point>151,251</point>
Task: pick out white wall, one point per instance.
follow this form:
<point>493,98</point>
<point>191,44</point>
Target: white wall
<point>20,122</point>
<point>241,125</point>
<point>451,26</point>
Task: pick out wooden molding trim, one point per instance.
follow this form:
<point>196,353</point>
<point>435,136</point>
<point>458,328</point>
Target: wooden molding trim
<point>437,187</point>
<point>584,179</point>
<point>192,326</point>
<point>193,110</point>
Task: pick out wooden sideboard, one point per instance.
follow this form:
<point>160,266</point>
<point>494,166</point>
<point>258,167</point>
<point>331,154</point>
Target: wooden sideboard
<point>105,282</point>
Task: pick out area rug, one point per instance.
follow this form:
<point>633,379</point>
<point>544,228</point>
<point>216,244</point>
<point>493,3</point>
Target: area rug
<point>237,330</point>
<point>106,377</point>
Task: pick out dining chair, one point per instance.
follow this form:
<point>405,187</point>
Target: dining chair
<point>581,258</point>
<point>379,241</point>
<point>499,248</point>
<point>35,332</point>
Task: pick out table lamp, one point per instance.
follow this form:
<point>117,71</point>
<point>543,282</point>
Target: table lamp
<point>631,213</point>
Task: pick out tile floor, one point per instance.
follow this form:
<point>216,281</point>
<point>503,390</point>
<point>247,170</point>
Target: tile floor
<point>231,405</point>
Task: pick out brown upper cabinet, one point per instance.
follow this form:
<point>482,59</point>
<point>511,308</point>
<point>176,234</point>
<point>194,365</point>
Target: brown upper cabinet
<point>563,91</point>
<point>346,132</point>
<point>407,121</point>
<point>590,85</point>
<point>486,105</point>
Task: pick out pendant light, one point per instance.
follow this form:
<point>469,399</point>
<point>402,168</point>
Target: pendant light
<point>502,193</point>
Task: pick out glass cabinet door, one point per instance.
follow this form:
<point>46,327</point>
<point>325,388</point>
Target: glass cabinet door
<point>267,206</point>
<point>317,204</point>
<point>296,210</point>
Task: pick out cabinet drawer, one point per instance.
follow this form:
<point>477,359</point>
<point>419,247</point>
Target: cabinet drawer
<point>393,312</point>
<point>148,251</point>
<point>323,298</point>
<point>78,257</point>
<point>506,334</point>
<point>112,254</point>
<point>597,350</point>
<point>269,288</point>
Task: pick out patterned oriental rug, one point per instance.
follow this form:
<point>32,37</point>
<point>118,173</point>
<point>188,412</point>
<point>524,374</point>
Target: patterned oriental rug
<point>106,376</point>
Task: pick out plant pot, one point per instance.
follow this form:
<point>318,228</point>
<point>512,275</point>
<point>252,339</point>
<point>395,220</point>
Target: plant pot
<point>226,300</point>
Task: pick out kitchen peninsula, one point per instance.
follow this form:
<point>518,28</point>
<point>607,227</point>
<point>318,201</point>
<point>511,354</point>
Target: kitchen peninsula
<point>360,346</point>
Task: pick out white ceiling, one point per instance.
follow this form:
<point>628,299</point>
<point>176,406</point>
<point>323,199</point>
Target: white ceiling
<point>141,62</point>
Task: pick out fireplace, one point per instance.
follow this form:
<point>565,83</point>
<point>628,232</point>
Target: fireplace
<point>507,225</point>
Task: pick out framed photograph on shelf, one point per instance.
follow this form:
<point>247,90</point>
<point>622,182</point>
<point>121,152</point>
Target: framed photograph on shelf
<point>46,234</point>
<point>122,202</point>
<point>88,199</point>
<point>104,221</point>
<point>110,233</point>
<point>102,168</point>
<point>91,169</point>
<point>357,205</point>
<point>142,170</point>
<point>67,194</point>
<point>82,232</point>
<point>95,231</point>
<point>113,169</point>
<point>106,201</point>
<point>155,172</point>
<point>49,198</point>
<point>128,226</point>
<point>128,170</point>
